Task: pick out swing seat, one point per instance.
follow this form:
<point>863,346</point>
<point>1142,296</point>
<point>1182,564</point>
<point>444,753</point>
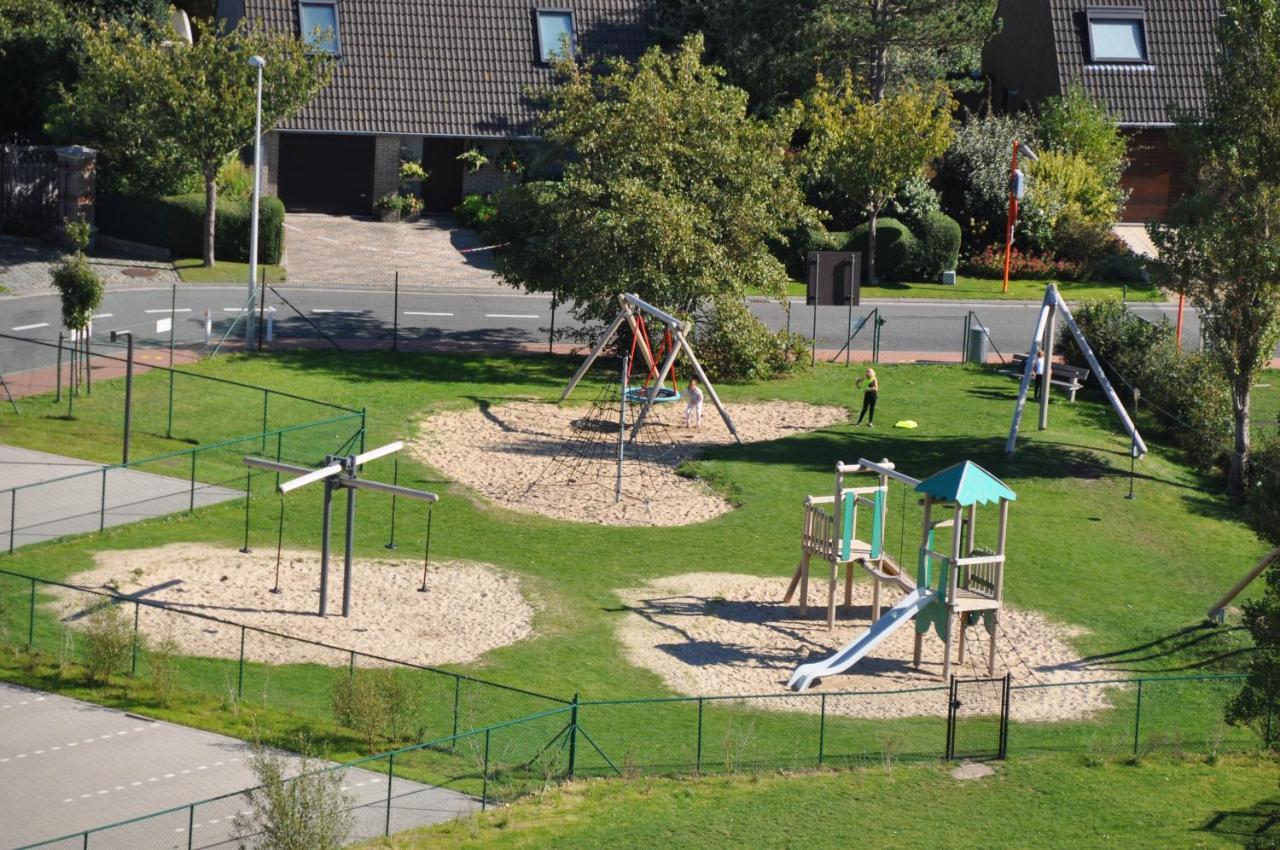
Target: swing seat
<point>637,395</point>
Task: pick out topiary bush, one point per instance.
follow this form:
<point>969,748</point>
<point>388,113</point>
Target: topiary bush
<point>937,246</point>
<point>176,223</point>
<point>895,248</point>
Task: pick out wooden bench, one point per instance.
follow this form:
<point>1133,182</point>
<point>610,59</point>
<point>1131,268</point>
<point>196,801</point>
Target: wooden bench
<point>1070,378</point>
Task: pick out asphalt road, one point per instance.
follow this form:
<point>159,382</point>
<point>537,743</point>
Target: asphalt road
<point>67,765</point>
<point>206,313</point>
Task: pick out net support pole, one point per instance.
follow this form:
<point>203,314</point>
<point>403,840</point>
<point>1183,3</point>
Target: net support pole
<point>348,551</point>
<point>326,525</point>
<point>595,352</point>
<point>683,343</point>
<point>622,427</point>
<point>1218,612</point>
<point>656,386</point>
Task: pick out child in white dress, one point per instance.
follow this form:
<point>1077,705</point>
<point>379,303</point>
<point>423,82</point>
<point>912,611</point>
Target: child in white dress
<point>693,405</point>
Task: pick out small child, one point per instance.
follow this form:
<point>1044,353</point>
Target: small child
<point>693,405</point>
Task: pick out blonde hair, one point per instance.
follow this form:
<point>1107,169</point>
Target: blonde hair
<point>871,373</point>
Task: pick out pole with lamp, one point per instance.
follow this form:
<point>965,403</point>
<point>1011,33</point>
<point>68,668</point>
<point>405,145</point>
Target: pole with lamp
<point>1017,188</point>
<point>258,63</point>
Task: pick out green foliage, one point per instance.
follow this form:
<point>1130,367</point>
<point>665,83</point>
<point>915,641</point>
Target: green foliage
<point>412,170</point>
<point>108,642</point>
<point>936,247</point>
<point>803,240</point>
<point>671,190</point>
<point>1079,124</point>
<point>473,159</point>
<point>973,175</point>
<point>40,51</point>
<point>1064,184</point>
<point>895,249</point>
<point>80,289</point>
<point>1258,703</point>
<point>1183,395</point>
<point>177,223</point>
<point>475,211</point>
<point>1264,491</point>
<point>235,180</point>
<point>162,670</point>
<point>294,807</point>
<point>915,200</point>
<point>734,346</point>
<point>378,703</point>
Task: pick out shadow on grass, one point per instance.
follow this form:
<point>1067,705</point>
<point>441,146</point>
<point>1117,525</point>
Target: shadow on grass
<point>1196,647</point>
<point>540,369</point>
<point>1257,821</point>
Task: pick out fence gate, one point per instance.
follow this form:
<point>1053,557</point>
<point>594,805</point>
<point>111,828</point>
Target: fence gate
<point>29,189</point>
<point>978,718</point>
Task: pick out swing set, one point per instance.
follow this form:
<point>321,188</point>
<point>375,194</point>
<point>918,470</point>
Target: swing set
<point>637,393</point>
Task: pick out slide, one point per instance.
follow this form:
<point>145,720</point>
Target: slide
<point>851,653</point>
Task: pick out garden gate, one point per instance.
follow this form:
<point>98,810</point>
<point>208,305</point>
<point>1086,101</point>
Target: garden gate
<point>29,189</point>
<point>978,718</point>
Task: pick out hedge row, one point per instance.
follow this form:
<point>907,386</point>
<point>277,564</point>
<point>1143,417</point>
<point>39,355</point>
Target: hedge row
<point>902,253</point>
<point>177,224</point>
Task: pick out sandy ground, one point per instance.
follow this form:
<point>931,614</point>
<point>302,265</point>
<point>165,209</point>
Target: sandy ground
<point>467,610</point>
<point>515,455</point>
<point>717,633</point>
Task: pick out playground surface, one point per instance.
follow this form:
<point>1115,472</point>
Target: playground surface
<point>467,609</point>
<point>75,500</point>
<point>68,765</point>
<point>504,453</point>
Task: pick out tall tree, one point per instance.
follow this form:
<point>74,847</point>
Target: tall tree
<point>671,189</point>
<point>871,149</point>
<point>1222,248</point>
<point>197,99</point>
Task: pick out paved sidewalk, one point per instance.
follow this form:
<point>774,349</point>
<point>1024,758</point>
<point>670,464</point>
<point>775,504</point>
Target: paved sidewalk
<point>68,765</point>
<point>76,500</point>
<point>433,252</point>
<point>26,265</point>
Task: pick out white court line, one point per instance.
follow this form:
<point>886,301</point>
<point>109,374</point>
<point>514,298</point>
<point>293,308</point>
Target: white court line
<point>424,313</point>
<point>339,310</point>
<point>511,315</point>
<point>30,327</point>
<point>167,310</point>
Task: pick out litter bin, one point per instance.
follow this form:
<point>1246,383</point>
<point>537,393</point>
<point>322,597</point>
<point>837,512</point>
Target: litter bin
<point>976,350</point>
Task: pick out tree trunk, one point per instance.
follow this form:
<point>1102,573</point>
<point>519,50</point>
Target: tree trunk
<point>871,247</point>
<point>1238,478</point>
<point>879,71</point>
<point>210,216</point>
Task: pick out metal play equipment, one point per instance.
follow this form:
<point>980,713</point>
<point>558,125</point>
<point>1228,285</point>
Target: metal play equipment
<point>1042,340</point>
<point>339,473</point>
<point>675,341</point>
<point>960,584</point>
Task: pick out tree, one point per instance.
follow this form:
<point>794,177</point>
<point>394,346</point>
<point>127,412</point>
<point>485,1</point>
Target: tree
<point>871,149</point>
<point>309,811</point>
<point>1222,247</point>
<point>39,51</point>
<point>196,100</point>
<point>670,190</point>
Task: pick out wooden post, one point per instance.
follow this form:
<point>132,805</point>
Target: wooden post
<point>1046,377</point>
<point>1001,538</point>
<point>681,342</point>
<point>831,593</point>
<point>595,352</point>
<point>992,631</point>
<point>920,572</point>
<point>804,583</point>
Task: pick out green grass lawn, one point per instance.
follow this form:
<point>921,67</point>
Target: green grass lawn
<point>1135,575</point>
<point>981,289</point>
<point>193,270</point>
<point>1057,802</point>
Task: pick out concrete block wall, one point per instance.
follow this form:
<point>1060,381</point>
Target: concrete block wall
<point>386,165</point>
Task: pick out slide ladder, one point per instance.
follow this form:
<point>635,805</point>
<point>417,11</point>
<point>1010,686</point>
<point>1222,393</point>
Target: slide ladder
<point>851,653</point>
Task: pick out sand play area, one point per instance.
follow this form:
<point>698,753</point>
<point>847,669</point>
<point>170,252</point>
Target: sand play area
<point>716,633</point>
<point>514,454</point>
<point>468,608</point>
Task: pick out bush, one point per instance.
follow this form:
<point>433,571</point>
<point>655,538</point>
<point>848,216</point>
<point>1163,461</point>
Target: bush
<point>916,200</point>
<point>1263,507</point>
<point>895,248</point>
<point>1062,184</point>
<point>973,176</point>
<point>989,263</point>
<point>309,811</point>
<point>162,670</point>
<point>1080,124</point>
<point>79,288</point>
<point>937,246</point>
<point>177,224</point>
<point>235,180</point>
<point>475,211</point>
<point>108,643</point>
<point>733,345</point>
<point>359,704</point>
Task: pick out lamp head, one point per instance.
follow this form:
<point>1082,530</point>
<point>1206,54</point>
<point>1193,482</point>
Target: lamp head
<point>257,62</point>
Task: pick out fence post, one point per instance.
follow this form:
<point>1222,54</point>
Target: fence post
<point>351,665</point>
<point>173,320</point>
<point>192,506</point>
<point>240,673</point>
<point>457,686</point>
<point>395,315</point>
<point>102,506</point>
<point>279,452</point>
<point>484,791</point>
<point>133,662</point>
<point>573,736</point>
<point>13,517</point>
<point>191,826</point>
<point>248,498</point>
<point>964,341</point>
<point>266,398</point>
<point>1137,719</point>
<point>85,846</point>
<point>31,618</point>
<point>698,758</point>
<point>822,730</point>
<point>391,766</point>
<point>58,393</point>
<point>364,419</point>
<point>551,334</point>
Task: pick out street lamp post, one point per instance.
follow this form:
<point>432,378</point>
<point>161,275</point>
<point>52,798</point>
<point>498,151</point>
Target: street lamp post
<point>257,62</point>
<point>128,389</point>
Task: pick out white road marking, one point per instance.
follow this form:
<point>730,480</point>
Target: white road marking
<point>105,316</point>
<point>30,327</point>
<point>424,313</point>
<point>511,315</point>
<point>167,310</point>
<point>233,309</point>
<point>338,310</point>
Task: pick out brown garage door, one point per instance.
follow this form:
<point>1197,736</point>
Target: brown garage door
<point>332,174</point>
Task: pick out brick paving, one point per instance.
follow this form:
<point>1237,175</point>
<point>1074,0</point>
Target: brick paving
<point>433,252</point>
<point>26,265</point>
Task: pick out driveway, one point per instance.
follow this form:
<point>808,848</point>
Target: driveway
<point>26,265</point>
<point>432,253</point>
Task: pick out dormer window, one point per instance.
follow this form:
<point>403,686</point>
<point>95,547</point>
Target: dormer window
<point>318,25</point>
<point>555,34</point>
<point>1117,34</point>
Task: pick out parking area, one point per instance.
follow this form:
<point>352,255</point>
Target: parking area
<point>67,766</point>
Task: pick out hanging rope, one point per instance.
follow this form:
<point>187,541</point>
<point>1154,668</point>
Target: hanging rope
<point>279,544</point>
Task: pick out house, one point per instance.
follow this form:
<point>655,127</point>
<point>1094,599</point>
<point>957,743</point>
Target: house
<point>1139,56</point>
<point>423,80</point>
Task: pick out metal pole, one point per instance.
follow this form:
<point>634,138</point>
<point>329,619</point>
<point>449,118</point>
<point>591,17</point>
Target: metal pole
<point>1137,719</point>
<point>551,334</point>
<point>326,522</point>
<point>173,313</point>
<point>573,736</point>
<point>348,551</point>
<point>391,766</point>
<point>484,791</point>
<point>102,501</point>
<point>1133,444</point>
<point>257,62</point>
<point>698,757</point>
<point>262,305</point>
<point>457,687</point>
<point>31,617</point>
<point>822,730</point>
<point>248,498</point>
<point>848,332</point>
<point>395,325</point>
<point>240,674</point>
<point>191,826</point>
<point>813,354</point>
<point>426,561</point>
<point>88,359</point>
<point>133,662</point>
<point>128,397</point>
<point>964,340</point>
<point>192,506</point>
<point>58,378</point>
<point>13,518</point>
<point>622,426</point>
<point>266,396</point>
<point>395,479</point>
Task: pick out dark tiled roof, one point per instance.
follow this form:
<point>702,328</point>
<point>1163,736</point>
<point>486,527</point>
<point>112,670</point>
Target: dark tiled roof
<point>1181,45</point>
<point>445,67</point>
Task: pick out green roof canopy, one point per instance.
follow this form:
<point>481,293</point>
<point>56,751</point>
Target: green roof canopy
<point>965,483</point>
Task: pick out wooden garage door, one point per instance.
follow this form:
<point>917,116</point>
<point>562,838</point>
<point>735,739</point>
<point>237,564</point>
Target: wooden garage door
<point>332,174</point>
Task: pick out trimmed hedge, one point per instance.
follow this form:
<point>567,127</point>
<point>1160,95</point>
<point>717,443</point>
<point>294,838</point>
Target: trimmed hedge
<point>177,224</point>
<point>895,248</point>
<point>937,247</point>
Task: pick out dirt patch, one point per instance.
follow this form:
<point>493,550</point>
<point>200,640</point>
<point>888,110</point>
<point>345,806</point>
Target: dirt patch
<point>467,610</point>
<point>717,633</point>
<point>515,455</point>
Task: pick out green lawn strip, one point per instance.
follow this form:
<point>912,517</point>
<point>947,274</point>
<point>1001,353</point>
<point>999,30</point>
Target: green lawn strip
<point>986,289</point>
<point>1034,803</point>
<point>1131,573</point>
<point>193,270</point>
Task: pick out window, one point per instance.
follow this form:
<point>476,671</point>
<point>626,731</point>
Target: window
<point>1117,34</point>
<point>318,23</point>
<point>555,31</point>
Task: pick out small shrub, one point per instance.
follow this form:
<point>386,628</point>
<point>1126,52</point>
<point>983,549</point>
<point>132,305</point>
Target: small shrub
<point>80,290</point>
<point>895,248</point>
<point>973,174</point>
<point>404,704</point>
<point>359,704</point>
<point>937,247</point>
<point>235,181</point>
<point>475,211</point>
<point>734,345</point>
<point>307,812</point>
<point>108,643</point>
<point>162,669</point>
